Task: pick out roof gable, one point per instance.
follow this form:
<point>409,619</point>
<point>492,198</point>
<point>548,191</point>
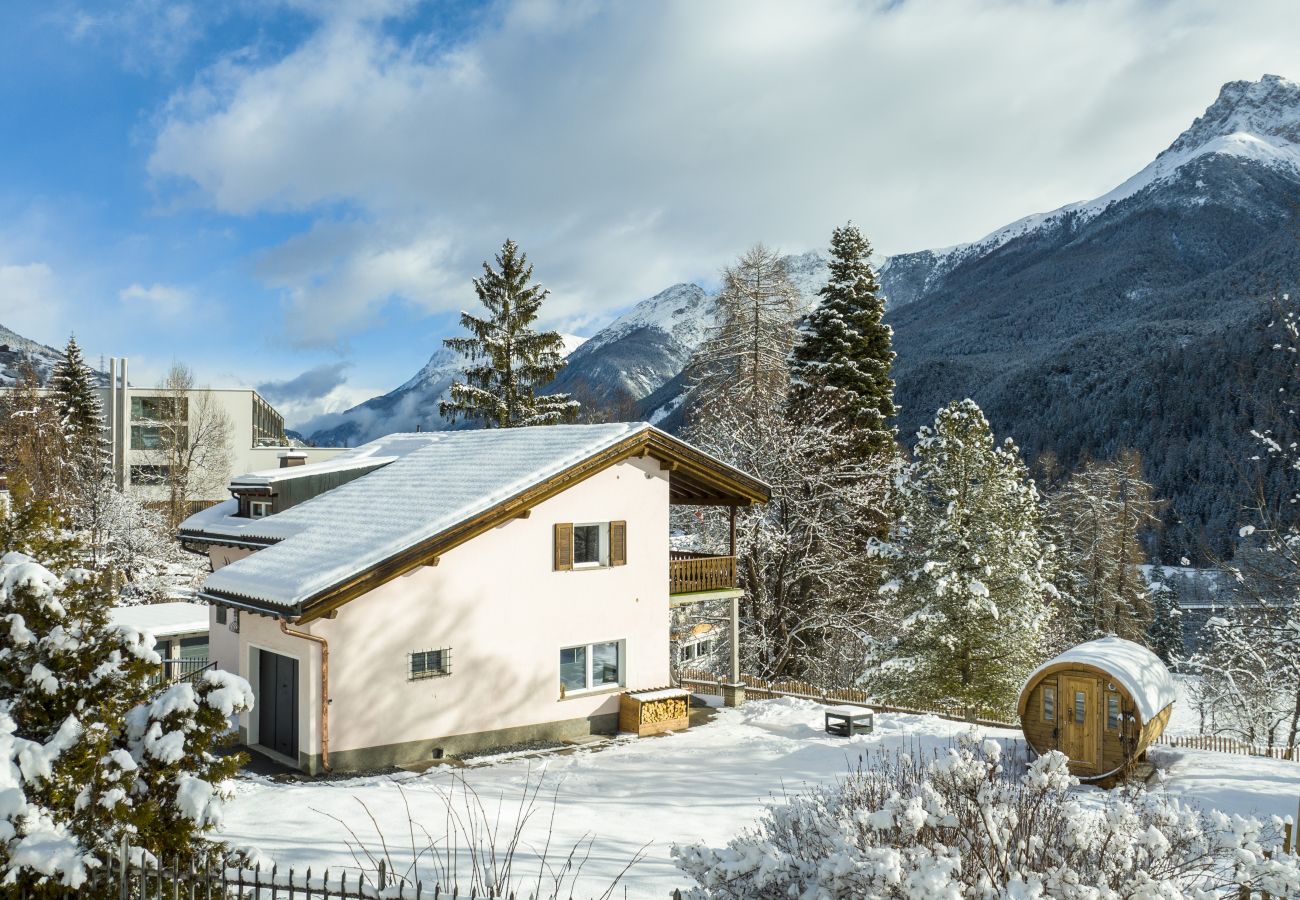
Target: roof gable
<point>343,543</point>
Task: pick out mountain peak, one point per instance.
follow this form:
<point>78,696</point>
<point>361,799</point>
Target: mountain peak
<point>1268,108</point>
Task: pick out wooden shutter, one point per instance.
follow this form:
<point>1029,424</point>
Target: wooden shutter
<point>563,546</point>
<point>618,543</point>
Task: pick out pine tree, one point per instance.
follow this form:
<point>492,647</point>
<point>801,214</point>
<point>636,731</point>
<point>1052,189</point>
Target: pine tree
<point>516,361</point>
<point>844,350</point>
<point>1165,632</point>
<point>970,573</point>
<point>744,361</point>
<point>94,753</point>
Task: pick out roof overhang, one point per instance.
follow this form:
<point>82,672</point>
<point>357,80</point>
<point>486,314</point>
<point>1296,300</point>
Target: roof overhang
<point>695,478</point>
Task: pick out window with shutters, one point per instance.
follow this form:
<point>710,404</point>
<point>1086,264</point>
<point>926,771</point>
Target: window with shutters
<point>590,545</point>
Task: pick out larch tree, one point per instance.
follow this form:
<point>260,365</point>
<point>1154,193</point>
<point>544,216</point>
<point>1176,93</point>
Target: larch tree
<point>744,360</point>
<point>844,349</point>
<point>185,434</point>
<point>510,362</point>
<point>1097,519</point>
<point>33,441</point>
<point>969,571</point>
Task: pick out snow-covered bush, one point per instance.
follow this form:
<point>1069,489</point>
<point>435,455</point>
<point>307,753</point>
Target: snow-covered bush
<point>90,753</point>
<point>959,827</point>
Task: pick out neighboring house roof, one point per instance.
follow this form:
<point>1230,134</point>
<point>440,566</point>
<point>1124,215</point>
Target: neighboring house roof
<point>163,620</point>
<point>1135,668</point>
<point>442,489</point>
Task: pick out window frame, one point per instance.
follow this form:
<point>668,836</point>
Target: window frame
<point>602,546</point>
<point>589,668</point>
<point>1049,703</point>
<point>425,673</point>
<point>254,505</point>
<point>1114,723</point>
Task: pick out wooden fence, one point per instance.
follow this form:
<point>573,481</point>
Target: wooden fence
<point>708,683</point>
<point>1219,743</point>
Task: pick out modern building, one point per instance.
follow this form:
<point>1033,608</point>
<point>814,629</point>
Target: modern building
<point>139,420</point>
<point>438,593</point>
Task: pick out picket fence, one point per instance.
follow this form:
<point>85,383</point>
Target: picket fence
<point>125,878</point>
<point>1222,744</point>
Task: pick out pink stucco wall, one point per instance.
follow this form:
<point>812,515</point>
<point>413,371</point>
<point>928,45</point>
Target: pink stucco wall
<point>505,614</point>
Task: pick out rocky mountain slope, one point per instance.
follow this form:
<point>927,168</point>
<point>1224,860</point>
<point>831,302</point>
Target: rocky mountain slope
<point>14,349</point>
<point>1133,320</point>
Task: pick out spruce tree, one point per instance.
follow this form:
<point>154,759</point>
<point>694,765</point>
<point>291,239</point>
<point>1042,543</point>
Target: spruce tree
<point>510,362</point>
<point>81,416</point>
<point>844,349</point>
<point>1165,632</point>
<point>969,573</point>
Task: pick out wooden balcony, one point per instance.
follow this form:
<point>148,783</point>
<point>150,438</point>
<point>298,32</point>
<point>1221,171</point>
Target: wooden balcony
<point>694,573</point>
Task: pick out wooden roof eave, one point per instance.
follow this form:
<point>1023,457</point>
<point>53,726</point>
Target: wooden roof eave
<point>733,487</point>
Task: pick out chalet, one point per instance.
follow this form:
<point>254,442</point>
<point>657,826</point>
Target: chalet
<point>1101,703</point>
<point>436,593</point>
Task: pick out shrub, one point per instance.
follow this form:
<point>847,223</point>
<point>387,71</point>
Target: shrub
<point>959,827</point>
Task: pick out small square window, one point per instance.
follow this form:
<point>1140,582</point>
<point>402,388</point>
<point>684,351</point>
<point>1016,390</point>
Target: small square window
<point>259,509</point>
<point>430,663</point>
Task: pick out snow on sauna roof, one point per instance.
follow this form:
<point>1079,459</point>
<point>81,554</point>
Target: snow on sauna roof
<point>162,619</point>
<point>1134,667</point>
<point>449,479</point>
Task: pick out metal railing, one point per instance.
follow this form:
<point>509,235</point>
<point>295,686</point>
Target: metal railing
<point>174,670</point>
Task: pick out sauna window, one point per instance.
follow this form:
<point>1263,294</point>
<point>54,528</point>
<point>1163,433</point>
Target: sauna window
<point>1049,703</point>
<point>1080,707</point>
<point>1112,712</point>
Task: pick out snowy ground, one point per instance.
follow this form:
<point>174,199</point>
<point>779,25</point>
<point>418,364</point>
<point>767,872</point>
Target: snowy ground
<point>706,784</point>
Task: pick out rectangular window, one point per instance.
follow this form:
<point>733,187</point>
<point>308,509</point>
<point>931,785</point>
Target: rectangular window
<point>259,509</point>
<point>429,664</point>
<point>1080,707</point>
<point>221,615</point>
<point>158,437</point>
<point>1049,703</point>
<point>591,666</point>
<point>587,545</point>
<point>150,474</point>
<point>159,409</point>
<point>573,668</point>
<point>1112,712</point>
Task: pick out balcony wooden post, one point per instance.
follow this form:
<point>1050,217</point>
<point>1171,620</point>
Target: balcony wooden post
<point>734,693</point>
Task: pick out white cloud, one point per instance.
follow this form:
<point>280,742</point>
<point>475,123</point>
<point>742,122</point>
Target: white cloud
<point>162,299</point>
<point>627,146</point>
<point>31,302</point>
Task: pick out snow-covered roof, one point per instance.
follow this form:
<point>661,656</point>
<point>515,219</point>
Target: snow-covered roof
<point>454,476</point>
<point>376,453</point>
<point>162,619</point>
<point>1135,668</point>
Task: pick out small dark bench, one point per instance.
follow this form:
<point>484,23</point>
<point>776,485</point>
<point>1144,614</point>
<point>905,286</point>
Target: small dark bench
<point>849,720</point>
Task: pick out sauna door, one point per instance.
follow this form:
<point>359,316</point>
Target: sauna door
<point>1080,716</point>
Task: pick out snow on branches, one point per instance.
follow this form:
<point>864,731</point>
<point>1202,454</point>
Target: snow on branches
<point>960,827</point>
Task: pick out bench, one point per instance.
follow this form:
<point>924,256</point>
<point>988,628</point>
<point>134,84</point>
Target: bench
<point>849,720</point>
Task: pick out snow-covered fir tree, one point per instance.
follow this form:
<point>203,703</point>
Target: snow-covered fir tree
<point>844,349</point>
<point>1165,632</point>
<point>969,571</point>
<point>76,402</point>
<point>1097,519</point>
<point>510,362</point>
<point>744,360</point>
<point>90,753</point>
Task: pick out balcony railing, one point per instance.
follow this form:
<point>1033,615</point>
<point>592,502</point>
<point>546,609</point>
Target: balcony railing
<point>174,670</point>
<point>691,573</point>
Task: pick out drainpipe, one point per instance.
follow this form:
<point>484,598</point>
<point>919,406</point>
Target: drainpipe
<point>324,689</point>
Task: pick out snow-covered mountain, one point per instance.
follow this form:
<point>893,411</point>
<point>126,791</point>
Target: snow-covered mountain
<point>1255,121</point>
<point>411,406</point>
<point>634,357</point>
<point>14,349</point>
<point>1132,320</point>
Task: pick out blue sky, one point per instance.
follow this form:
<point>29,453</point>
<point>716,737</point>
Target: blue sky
<point>284,190</point>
